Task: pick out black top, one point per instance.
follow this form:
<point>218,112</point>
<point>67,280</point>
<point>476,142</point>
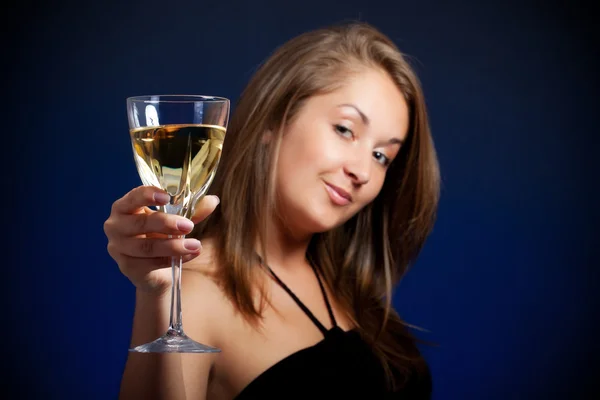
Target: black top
<point>341,366</point>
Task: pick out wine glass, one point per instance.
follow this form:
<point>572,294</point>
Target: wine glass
<point>177,142</point>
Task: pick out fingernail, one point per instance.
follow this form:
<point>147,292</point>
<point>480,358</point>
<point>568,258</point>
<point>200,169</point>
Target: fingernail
<point>185,225</point>
<point>216,198</point>
<point>162,198</point>
<point>192,244</point>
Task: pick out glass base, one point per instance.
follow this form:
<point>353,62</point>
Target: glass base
<point>174,342</point>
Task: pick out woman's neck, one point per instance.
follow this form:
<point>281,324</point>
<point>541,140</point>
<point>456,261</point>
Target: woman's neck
<point>285,249</point>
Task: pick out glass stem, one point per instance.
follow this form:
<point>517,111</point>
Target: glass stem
<point>175,323</point>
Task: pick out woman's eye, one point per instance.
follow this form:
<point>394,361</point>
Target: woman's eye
<point>342,130</point>
<point>381,158</point>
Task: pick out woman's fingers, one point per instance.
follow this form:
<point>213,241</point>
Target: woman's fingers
<point>204,208</point>
<point>143,265</point>
<point>157,222</point>
<point>138,198</point>
<point>150,247</point>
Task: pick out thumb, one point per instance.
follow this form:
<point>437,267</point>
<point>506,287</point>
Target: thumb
<point>204,208</point>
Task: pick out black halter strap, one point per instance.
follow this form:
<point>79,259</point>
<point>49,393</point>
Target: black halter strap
<point>300,304</point>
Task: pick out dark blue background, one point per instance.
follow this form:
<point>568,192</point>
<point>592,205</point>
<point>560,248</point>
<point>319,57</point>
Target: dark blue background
<point>507,284</point>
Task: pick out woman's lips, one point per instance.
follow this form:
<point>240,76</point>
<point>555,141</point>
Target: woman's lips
<point>338,195</point>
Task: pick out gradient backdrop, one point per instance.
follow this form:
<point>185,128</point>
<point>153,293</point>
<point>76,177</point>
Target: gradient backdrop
<point>507,284</point>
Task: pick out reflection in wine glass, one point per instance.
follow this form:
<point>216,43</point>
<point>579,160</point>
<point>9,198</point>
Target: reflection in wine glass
<point>178,150</point>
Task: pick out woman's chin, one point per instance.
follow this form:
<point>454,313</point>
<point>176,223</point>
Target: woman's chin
<point>313,222</point>
<point>320,225</point>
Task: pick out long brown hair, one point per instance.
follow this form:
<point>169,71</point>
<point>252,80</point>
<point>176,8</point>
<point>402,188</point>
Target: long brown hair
<point>363,259</point>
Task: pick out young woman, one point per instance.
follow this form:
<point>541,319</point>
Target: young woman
<point>329,186</point>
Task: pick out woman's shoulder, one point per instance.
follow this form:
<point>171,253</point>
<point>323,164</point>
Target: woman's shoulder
<point>204,304</point>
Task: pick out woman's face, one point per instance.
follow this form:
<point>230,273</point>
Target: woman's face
<point>335,153</point>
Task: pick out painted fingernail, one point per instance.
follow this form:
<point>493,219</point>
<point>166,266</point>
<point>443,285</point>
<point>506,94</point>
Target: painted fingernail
<point>185,225</point>
<point>192,244</point>
<point>162,198</point>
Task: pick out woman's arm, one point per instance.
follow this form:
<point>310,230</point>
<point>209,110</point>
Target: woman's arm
<point>171,375</point>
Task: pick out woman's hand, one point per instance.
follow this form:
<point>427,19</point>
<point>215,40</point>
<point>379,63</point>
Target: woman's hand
<point>138,237</point>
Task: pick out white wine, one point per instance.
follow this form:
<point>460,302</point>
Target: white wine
<point>181,159</point>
